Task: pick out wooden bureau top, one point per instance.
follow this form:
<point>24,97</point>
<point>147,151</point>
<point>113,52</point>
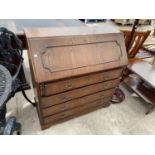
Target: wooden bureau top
<point>57,53</point>
<point>69,31</point>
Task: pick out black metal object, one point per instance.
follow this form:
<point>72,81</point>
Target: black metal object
<point>9,84</point>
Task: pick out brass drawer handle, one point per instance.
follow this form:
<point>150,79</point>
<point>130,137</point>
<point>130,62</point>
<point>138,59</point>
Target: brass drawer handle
<point>68,86</point>
<point>64,98</point>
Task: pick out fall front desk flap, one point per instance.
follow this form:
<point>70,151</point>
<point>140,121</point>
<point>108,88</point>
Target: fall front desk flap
<point>57,53</point>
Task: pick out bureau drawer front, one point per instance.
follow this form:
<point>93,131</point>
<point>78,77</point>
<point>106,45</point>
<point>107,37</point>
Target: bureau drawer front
<point>76,102</point>
<point>65,114</point>
<point>66,96</point>
<point>65,85</point>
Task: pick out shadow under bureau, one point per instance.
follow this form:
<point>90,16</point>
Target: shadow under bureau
<point>74,70</point>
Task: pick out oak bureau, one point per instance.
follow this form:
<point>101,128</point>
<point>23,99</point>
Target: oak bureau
<point>74,70</point>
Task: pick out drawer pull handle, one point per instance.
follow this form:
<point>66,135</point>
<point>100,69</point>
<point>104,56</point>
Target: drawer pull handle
<point>64,98</point>
<point>68,86</point>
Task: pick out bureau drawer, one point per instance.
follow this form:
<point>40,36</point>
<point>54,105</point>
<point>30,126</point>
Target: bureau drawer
<point>65,114</point>
<point>65,85</point>
<point>66,96</point>
<point>76,102</point>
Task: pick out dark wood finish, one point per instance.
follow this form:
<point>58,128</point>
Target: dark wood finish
<point>65,114</point>
<point>74,70</point>
<point>98,58</point>
<point>148,94</point>
<point>70,84</point>
<point>105,104</point>
<point>69,95</point>
<point>76,102</point>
